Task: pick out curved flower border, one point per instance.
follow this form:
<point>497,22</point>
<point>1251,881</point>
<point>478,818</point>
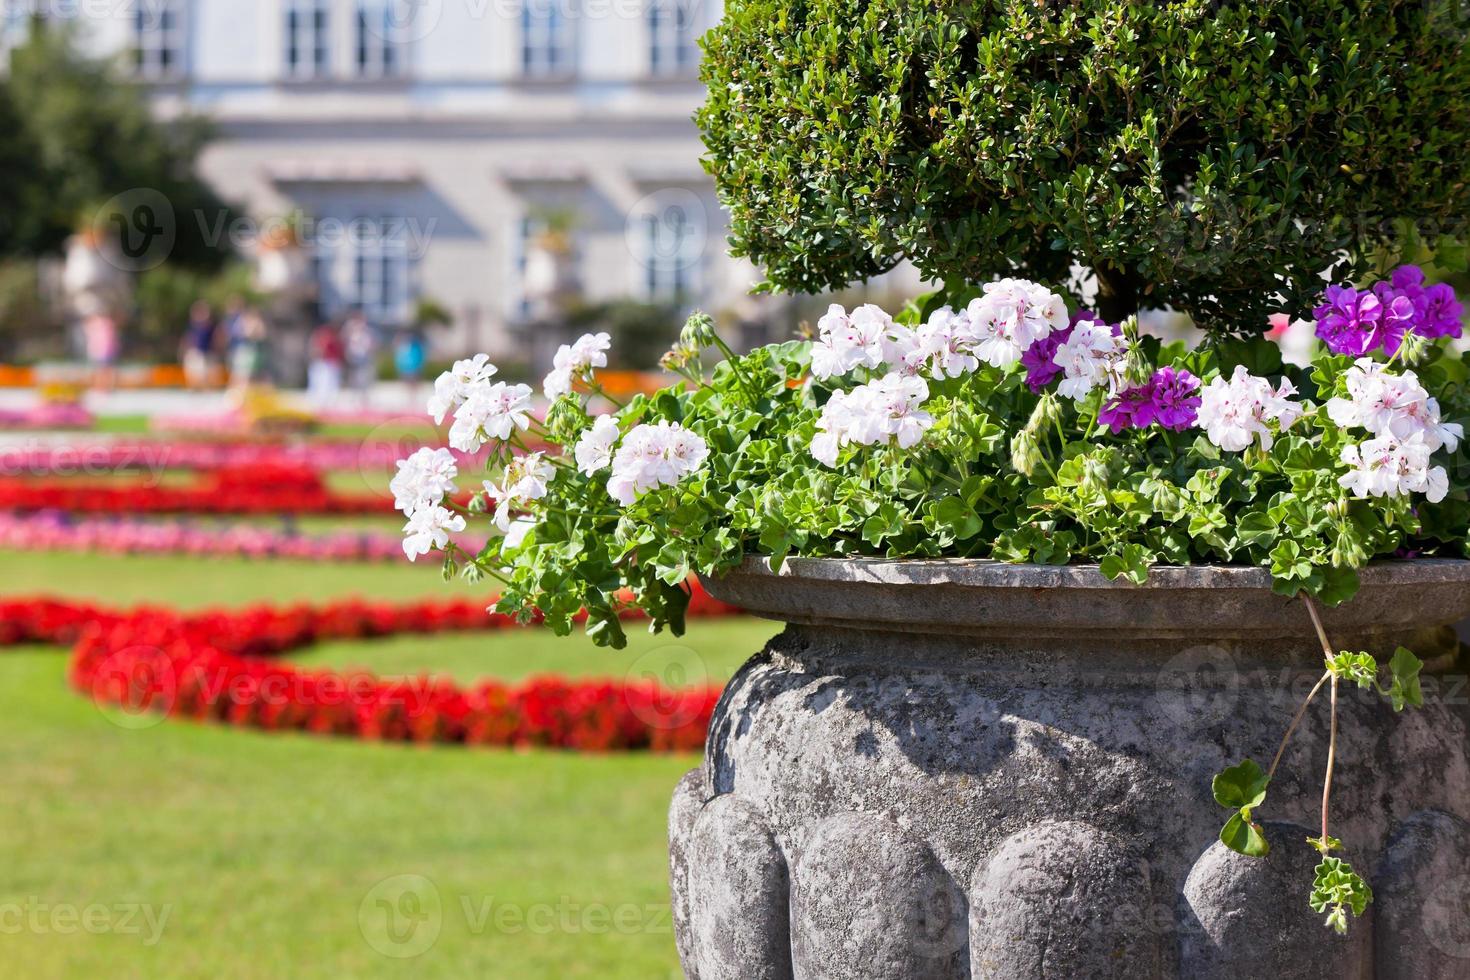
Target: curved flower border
<point>224,667</point>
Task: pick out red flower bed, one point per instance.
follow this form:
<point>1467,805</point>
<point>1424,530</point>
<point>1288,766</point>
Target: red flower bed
<point>225,667</point>
<point>229,490</point>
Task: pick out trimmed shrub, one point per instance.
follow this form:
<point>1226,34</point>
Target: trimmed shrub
<point>1214,157</point>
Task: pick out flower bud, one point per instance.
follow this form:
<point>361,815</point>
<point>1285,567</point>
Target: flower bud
<point>698,332</point>
<point>1025,452</point>
<point>1414,347</point>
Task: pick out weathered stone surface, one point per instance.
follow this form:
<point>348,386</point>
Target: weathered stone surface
<point>1249,917</point>
<point>861,740</point>
<point>870,902</point>
<point>741,928</point>
<point>1063,901</point>
<point>1423,896</point>
<point>688,800</point>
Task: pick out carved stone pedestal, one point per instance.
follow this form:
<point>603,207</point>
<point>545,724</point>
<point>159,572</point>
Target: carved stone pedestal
<point>947,770</point>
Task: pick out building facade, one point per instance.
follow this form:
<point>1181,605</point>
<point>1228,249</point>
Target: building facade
<point>421,148</point>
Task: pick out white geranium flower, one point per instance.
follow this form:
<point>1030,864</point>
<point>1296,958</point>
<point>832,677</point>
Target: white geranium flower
<point>576,360</point>
<point>846,341</point>
<point>947,344</point>
<point>526,478</point>
<point>652,456</point>
<point>1395,405</point>
<point>491,413</point>
<point>594,451</point>
<point>428,529</point>
<point>886,411</point>
<point>1011,316</point>
<point>454,387</point>
<point>423,479</point>
<point>1387,467</point>
<point>1235,413</point>
<point>1093,356</point>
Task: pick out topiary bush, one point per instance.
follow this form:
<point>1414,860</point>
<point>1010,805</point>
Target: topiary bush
<point>1214,157</point>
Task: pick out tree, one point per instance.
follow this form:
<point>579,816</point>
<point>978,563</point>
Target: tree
<point>1218,158</point>
<point>78,135</point>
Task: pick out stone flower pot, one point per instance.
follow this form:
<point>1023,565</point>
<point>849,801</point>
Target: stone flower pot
<point>955,769</point>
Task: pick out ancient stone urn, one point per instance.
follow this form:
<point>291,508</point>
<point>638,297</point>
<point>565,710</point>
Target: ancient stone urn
<point>952,769</point>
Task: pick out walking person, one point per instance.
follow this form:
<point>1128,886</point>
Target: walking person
<point>198,346</point>
<point>324,373</point>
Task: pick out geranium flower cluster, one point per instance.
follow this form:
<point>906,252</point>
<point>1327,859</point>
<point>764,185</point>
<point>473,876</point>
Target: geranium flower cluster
<point>1357,322</point>
<point>1406,430</point>
<point>882,412</point>
<point>1239,411</point>
<point>574,362</point>
<point>1015,322</point>
<point>653,456</point>
<point>495,415</point>
<point>422,483</point>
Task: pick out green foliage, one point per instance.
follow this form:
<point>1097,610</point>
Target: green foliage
<point>25,316</point>
<point>76,135</point>
<point>165,293</point>
<point>1126,502</point>
<point>1242,788</point>
<point>1211,157</point>
<point>1338,890</point>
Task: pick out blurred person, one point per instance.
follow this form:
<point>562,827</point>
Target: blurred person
<point>199,345</point>
<point>324,373</point>
<point>410,357</point>
<point>231,323</point>
<point>251,352</point>
<point>360,351</point>
<point>103,345</point>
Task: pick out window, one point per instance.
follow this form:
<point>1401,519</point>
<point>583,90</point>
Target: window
<point>546,39</point>
<point>672,50</point>
<point>308,39</point>
<point>158,39</point>
<point>673,243</point>
<point>377,53</point>
<point>531,227</point>
<point>366,268</point>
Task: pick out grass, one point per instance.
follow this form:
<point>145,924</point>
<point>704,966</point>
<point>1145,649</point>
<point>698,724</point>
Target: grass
<point>282,855</point>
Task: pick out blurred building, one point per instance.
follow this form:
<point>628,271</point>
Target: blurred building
<point>445,148</point>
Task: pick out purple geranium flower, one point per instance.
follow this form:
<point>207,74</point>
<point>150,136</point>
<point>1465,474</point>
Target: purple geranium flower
<point>1170,398</point>
<point>1439,313</point>
<point>1398,319</point>
<point>1348,321</point>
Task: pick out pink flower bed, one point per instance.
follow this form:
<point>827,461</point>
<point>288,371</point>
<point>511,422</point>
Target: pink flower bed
<point>58,532</point>
<point>47,417</point>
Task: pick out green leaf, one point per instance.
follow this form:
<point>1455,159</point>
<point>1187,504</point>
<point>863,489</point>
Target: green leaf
<point>1356,668</point>
<point>1405,689</point>
<point>1243,836</point>
<point>1338,890</point>
<point>1256,529</point>
<point>1242,786</point>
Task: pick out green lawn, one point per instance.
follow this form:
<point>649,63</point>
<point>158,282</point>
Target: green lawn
<point>282,855</point>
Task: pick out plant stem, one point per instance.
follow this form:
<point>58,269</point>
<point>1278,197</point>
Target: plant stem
<point>1295,722</point>
<point>1331,761</point>
<point>1317,624</point>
